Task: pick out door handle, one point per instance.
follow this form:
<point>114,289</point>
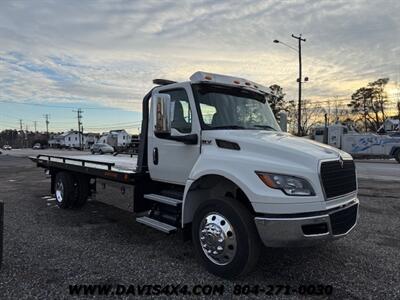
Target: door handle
<point>155,156</point>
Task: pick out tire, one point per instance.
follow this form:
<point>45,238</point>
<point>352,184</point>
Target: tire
<point>229,219</point>
<point>65,190</point>
<point>397,156</point>
<point>100,152</point>
<point>83,188</point>
<point>92,151</point>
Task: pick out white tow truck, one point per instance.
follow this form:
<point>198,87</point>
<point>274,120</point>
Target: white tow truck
<point>348,139</point>
<point>214,165</point>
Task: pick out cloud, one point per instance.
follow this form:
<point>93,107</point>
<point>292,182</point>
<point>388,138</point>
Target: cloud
<point>107,52</point>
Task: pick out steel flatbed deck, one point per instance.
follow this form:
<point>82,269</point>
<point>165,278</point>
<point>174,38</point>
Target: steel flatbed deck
<point>115,168</point>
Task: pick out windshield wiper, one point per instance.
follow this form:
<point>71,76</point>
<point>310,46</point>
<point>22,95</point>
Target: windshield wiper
<point>265,127</point>
<point>228,127</point>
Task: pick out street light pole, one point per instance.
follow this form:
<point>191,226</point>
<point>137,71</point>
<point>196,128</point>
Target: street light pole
<point>299,129</point>
<point>299,80</point>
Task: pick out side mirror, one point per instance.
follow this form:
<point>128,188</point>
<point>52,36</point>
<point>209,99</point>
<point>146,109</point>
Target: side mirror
<point>162,114</point>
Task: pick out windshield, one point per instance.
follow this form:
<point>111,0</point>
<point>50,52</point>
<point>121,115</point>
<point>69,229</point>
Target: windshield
<point>222,107</point>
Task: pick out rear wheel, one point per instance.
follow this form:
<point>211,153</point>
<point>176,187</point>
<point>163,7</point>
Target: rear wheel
<point>83,187</point>
<point>65,190</point>
<point>397,156</point>
<point>225,238</point>
<point>100,151</point>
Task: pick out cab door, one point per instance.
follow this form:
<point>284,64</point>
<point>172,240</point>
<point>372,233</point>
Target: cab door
<point>169,160</point>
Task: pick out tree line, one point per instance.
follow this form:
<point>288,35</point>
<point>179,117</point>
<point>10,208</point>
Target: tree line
<point>367,108</point>
<point>21,139</point>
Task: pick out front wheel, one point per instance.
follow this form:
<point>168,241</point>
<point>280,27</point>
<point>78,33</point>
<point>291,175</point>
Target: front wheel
<point>225,238</point>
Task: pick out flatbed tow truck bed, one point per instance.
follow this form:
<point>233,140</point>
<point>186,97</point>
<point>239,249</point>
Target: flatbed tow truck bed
<point>116,168</point>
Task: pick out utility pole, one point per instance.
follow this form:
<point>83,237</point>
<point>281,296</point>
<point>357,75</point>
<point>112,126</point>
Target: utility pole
<point>299,80</point>
<point>79,115</point>
<point>325,138</point>
<point>35,125</point>
<point>26,136</point>
<point>20,124</point>
<point>46,116</point>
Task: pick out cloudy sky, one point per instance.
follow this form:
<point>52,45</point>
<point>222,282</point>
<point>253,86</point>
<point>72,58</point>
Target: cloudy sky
<point>102,55</point>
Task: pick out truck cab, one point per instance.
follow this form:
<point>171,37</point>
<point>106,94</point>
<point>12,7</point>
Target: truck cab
<point>217,136</point>
<point>214,164</point>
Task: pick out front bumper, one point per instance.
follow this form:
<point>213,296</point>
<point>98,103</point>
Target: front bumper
<point>307,229</point>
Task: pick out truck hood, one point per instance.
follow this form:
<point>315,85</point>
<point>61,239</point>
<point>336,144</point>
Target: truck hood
<point>277,146</point>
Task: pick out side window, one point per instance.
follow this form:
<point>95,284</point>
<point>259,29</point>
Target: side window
<point>208,112</point>
<point>182,114</point>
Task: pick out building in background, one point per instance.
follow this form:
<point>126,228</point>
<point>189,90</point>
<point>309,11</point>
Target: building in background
<point>56,141</point>
<point>89,139</point>
<point>70,139</point>
<point>116,138</point>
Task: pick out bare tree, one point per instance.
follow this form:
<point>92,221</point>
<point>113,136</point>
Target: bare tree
<point>312,114</point>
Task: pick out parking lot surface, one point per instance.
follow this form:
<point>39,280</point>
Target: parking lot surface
<point>46,248</point>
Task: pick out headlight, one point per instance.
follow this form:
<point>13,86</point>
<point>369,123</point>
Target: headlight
<point>290,185</point>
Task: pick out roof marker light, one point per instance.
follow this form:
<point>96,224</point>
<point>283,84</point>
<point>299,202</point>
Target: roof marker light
<point>247,83</point>
<point>236,81</point>
<point>208,77</point>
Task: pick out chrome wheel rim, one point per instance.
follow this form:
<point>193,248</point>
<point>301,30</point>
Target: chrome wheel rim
<point>218,238</point>
<point>59,191</point>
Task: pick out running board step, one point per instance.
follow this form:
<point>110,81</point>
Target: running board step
<point>166,228</point>
<point>163,199</point>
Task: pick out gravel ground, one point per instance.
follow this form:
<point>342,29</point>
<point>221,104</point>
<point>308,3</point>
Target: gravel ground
<point>46,248</point>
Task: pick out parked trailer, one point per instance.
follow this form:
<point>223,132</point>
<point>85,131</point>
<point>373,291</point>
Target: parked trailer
<point>359,145</point>
<point>214,165</point>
